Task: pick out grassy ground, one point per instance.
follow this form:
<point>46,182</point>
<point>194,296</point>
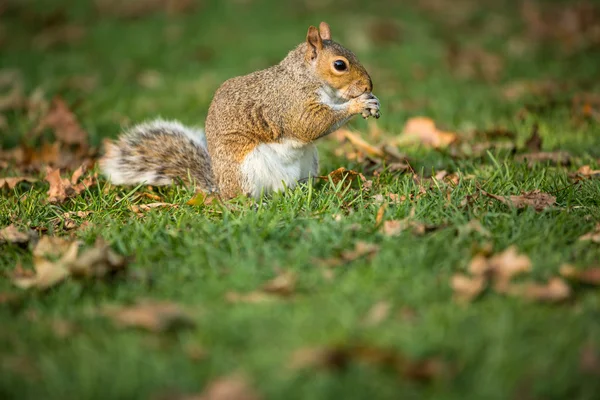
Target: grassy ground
<point>496,347</point>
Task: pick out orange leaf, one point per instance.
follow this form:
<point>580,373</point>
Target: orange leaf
<point>425,131</point>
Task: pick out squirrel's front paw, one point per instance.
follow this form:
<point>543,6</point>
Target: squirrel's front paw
<point>367,105</point>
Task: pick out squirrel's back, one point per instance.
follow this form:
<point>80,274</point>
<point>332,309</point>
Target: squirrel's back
<point>158,153</point>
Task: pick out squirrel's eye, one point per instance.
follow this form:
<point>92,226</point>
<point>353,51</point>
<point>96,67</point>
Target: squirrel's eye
<point>340,65</point>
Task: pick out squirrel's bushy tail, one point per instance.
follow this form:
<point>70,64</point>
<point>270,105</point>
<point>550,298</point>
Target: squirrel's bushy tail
<point>159,153</point>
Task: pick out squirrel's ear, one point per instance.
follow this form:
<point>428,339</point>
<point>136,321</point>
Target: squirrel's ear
<point>315,44</point>
<point>325,31</point>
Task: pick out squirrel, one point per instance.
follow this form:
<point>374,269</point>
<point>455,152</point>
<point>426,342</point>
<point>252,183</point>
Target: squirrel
<point>260,129</point>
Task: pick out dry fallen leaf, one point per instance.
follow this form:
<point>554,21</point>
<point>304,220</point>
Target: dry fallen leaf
<point>11,183</point>
<point>339,357</point>
<point>585,172</point>
<point>139,209</point>
<point>341,175</point>
<point>283,284</point>
<point>361,249</point>
<point>152,316</point>
<point>51,246</point>
<point>13,235</point>
<point>467,289</point>
<point>593,236</point>
<point>48,273</point>
<point>361,144</point>
<point>64,124</point>
<point>589,275</point>
<point>69,221</point>
<point>536,199</point>
<point>556,290</point>
<point>424,130</point>
<point>63,189</point>
<point>395,227</point>
<point>555,157</point>
<point>96,262</point>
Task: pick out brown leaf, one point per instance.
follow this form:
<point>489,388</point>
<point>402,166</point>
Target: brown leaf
<point>555,157</point>
<point>341,175</point>
<point>233,387</point>
<point>536,199</point>
<point>283,284</point>
<point>556,290</point>
<point>424,130</point>
<point>64,124</point>
<point>152,316</point>
<point>467,289</point>
<point>378,313</point>
<point>96,262</point>
<point>339,357</point>
<point>474,226</point>
<point>68,219</point>
<point>141,208</point>
<point>11,183</point>
<point>63,189</point>
<point>51,247</point>
<point>395,227</point>
<point>593,236</point>
<point>361,249</point>
<point>361,144</point>
<point>501,267</point>
<point>49,273</point>
<point>13,235</point>
<point>589,275</point>
<point>584,172</point>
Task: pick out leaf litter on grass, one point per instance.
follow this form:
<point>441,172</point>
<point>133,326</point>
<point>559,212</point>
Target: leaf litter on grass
<point>498,272</point>
<point>150,315</point>
<point>339,357</point>
<point>282,286</point>
<point>57,259</point>
<point>14,235</point>
<point>535,199</point>
<point>62,189</point>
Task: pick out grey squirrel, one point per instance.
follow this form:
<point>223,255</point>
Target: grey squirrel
<point>260,128</point>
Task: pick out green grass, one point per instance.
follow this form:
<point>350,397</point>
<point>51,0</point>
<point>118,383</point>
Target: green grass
<point>498,347</point>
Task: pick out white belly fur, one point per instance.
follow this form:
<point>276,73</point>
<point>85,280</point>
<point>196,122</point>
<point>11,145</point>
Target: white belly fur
<point>271,167</point>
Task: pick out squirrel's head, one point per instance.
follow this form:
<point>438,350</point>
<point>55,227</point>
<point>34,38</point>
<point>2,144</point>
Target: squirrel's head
<point>336,65</point>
